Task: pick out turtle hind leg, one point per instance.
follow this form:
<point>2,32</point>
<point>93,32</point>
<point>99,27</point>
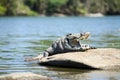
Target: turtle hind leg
<point>39,57</point>
<point>29,59</point>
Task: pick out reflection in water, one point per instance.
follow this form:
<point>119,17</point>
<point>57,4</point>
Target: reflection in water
<point>75,74</point>
<point>30,37</point>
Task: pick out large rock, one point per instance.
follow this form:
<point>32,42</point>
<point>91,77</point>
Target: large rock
<point>23,76</point>
<point>101,58</point>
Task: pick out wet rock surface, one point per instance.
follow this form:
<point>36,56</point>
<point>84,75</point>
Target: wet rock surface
<point>23,76</point>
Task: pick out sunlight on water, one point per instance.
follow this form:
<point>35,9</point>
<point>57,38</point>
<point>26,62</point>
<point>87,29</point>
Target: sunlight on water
<point>22,37</point>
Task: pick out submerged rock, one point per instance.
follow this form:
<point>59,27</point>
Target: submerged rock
<point>23,76</point>
<point>101,58</point>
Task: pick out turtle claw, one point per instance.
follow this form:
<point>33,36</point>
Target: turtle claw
<point>93,48</point>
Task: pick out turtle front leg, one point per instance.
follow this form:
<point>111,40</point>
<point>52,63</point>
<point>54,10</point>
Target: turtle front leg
<point>86,47</point>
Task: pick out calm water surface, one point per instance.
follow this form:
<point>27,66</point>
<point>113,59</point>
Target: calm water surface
<point>22,37</point>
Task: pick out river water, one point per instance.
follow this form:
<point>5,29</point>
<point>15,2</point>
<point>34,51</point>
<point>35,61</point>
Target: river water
<point>22,37</point>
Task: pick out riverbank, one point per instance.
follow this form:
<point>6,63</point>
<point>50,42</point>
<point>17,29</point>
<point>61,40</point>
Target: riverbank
<point>51,7</point>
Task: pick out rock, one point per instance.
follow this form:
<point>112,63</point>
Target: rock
<point>94,15</point>
<point>101,58</point>
<point>23,76</point>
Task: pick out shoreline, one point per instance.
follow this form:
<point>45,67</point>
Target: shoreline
<point>63,15</point>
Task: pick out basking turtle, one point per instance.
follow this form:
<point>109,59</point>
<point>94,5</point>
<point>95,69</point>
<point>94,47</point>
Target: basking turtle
<point>68,43</point>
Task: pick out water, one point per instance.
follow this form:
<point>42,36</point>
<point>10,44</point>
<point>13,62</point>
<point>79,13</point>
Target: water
<point>22,37</point>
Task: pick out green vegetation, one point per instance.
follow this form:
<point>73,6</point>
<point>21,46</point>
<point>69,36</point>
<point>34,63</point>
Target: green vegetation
<point>51,7</point>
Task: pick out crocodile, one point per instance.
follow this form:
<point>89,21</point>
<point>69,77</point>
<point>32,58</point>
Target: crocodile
<point>69,43</point>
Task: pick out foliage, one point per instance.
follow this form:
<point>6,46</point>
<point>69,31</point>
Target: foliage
<point>57,3</point>
<point>2,10</point>
<point>51,7</point>
<point>113,6</point>
<point>54,6</point>
<point>17,7</point>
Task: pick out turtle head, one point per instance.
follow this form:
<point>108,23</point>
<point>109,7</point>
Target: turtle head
<point>73,36</point>
<point>84,35</point>
<point>78,36</point>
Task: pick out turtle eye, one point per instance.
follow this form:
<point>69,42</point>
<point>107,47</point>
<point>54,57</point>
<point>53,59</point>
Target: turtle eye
<point>81,34</point>
<point>69,34</point>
